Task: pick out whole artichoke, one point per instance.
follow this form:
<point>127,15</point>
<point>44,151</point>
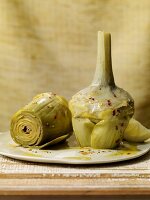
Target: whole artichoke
<point>101,112</point>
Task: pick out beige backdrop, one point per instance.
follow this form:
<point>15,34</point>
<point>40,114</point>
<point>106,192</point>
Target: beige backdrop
<point>50,45</point>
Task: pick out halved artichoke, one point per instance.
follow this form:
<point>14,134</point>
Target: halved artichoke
<point>46,120</point>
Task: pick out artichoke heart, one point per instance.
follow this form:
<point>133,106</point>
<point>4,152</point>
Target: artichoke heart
<point>101,112</point>
<point>46,120</point>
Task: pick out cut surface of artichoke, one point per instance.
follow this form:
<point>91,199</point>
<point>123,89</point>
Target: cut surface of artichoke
<point>46,120</point>
<point>101,112</point>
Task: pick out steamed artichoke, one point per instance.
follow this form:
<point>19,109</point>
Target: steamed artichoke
<point>101,112</point>
<point>46,120</point>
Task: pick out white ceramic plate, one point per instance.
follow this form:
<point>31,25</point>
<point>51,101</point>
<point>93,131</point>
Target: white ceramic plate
<point>69,153</point>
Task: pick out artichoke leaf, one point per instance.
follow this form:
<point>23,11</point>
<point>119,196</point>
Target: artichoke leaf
<point>52,142</point>
<point>83,128</point>
<point>106,135</point>
<point>136,132</point>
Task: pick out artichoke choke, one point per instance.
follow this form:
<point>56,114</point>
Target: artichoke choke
<point>46,120</point>
<point>101,112</point>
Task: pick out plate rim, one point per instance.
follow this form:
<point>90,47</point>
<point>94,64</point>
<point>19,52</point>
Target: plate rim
<point>39,159</point>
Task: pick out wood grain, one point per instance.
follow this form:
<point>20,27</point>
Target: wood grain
<point>81,197</point>
<point>75,187</point>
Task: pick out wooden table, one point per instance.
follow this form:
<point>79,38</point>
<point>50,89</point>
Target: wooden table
<point>120,179</point>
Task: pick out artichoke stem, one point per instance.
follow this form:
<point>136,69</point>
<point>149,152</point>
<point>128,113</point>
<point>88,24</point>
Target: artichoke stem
<point>104,74</point>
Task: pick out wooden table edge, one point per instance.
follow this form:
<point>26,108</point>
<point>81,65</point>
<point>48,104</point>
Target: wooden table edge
<point>76,192</point>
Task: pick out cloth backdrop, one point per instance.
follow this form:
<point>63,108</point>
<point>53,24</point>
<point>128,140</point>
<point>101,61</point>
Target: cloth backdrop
<point>50,45</point>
